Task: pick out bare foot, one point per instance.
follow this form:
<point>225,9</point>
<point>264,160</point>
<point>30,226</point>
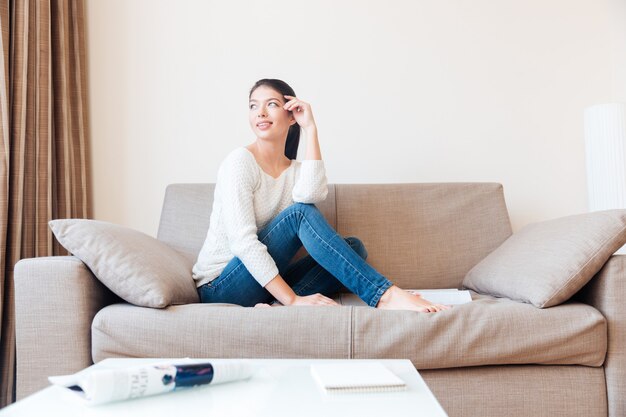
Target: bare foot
<point>396,298</point>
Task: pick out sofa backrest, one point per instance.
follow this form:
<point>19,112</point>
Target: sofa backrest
<point>417,235</point>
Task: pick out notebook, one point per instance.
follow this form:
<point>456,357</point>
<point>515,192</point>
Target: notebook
<point>356,377</point>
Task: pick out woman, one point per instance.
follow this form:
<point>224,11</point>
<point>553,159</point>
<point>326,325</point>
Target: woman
<point>264,211</point>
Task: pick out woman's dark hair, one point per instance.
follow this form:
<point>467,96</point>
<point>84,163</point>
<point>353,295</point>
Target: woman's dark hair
<point>293,136</point>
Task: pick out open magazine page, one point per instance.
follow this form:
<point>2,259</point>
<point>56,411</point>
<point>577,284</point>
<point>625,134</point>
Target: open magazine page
<point>447,296</point>
<point>99,386</point>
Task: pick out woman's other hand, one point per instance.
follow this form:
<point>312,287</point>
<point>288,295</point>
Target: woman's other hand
<point>313,300</point>
<point>301,111</point>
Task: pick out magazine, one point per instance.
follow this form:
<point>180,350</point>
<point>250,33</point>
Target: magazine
<point>447,296</point>
<point>99,386</point>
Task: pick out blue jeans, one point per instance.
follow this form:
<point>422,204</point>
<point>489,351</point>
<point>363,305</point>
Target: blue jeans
<point>334,264</point>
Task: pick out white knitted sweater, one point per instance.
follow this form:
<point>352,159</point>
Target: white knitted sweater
<point>246,199</point>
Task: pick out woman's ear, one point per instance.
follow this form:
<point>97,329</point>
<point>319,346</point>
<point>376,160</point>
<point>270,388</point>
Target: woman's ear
<point>292,120</point>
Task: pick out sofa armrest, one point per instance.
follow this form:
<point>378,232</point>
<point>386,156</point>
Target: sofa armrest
<point>56,299</point>
<point>607,292</point>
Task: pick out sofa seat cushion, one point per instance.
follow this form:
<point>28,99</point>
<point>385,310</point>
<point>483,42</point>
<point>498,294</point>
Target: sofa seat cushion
<point>487,331</point>
<point>221,330</point>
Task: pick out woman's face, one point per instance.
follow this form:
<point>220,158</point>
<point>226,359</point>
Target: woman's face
<point>268,118</point>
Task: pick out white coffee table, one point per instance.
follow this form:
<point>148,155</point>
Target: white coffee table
<point>279,387</point>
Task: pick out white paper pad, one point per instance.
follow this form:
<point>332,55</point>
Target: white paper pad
<point>447,296</point>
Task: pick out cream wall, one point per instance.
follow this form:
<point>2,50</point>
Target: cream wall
<point>618,48</point>
<point>402,91</point>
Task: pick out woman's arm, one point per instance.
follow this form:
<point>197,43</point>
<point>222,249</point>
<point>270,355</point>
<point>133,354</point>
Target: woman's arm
<point>312,143</point>
<point>235,186</point>
<point>311,184</point>
<point>303,114</point>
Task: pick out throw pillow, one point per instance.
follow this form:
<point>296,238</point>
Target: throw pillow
<point>138,268</point>
<point>548,262</point>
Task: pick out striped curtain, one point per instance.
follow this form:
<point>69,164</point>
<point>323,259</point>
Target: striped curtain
<point>44,152</point>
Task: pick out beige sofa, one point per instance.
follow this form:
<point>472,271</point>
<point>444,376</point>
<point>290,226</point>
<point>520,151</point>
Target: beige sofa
<point>491,357</point>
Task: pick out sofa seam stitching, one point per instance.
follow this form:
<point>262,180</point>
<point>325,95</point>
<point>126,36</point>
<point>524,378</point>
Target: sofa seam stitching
<point>336,215</point>
<point>351,351</point>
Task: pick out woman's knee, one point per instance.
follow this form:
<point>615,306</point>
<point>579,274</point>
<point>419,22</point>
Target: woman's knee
<point>358,246</point>
<point>303,207</point>
<point>306,209</point>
